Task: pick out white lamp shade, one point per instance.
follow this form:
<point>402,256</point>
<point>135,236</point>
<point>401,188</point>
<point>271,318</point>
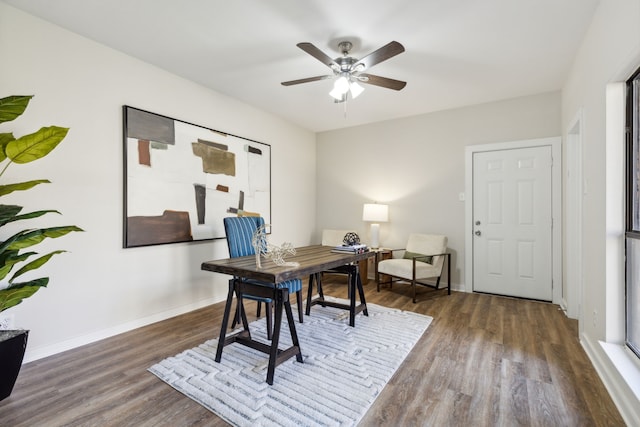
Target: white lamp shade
<point>375,213</point>
<point>336,94</point>
<point>355,89</point>
<point>341,85</point>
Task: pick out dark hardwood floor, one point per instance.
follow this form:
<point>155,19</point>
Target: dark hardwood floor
<point>484,361</point>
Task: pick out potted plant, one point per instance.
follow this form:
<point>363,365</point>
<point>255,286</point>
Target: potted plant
<point>14,262</point>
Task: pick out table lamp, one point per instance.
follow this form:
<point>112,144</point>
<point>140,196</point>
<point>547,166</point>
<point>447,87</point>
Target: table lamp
<point>375,214</point>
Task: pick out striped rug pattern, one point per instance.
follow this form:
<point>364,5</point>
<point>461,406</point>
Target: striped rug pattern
<point>343,372</point>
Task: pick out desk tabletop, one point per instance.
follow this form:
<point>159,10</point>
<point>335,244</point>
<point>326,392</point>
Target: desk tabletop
<point>312,259</point>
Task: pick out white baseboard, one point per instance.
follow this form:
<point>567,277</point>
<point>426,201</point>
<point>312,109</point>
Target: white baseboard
<point>622,395</point>
<point>49,350</point>
<point>36,353</point>
<point>459,287</point>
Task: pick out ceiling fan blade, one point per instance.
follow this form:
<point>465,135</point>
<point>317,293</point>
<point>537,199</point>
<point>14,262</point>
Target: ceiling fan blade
<point>318,54</point>
<point>382,81</point>
<point>307,80</point>
<point>385,52</point>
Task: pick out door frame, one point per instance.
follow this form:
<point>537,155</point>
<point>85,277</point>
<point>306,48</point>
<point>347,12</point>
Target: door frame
<point>556,206</point>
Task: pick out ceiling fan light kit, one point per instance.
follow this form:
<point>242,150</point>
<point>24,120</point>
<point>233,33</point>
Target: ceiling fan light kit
<point>348,71</point>
<point>343,84</point>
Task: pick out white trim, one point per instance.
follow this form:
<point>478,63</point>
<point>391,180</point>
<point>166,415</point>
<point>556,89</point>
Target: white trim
<point>556,203</point>
<point>617,368</point>
<point>615,215</point>
<point>572,301</point>
<point>613,378</point>
<point>45,351</point>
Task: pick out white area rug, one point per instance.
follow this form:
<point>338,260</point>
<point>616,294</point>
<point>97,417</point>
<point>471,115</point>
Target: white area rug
<point>344,369</point>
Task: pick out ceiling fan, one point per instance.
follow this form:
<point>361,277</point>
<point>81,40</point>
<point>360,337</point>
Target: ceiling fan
<point>349,71</point>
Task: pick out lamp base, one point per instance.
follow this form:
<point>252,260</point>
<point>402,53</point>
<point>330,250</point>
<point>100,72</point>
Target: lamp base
<point>375,236</point>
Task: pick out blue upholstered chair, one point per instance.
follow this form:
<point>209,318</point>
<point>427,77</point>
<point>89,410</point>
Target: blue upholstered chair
<point>239,231</point>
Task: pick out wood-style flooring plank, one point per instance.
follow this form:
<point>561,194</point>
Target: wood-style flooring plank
<point>484,361</point>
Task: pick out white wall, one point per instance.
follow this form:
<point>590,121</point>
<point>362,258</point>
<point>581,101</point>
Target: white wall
<point>98,288</point>
<point>417,166</point>
<point>610,52</point>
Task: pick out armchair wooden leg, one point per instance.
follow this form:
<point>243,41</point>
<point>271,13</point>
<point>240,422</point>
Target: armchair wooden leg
<point>448,274</point>
<point>413,285</point>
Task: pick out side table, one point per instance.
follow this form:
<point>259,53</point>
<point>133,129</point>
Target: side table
<point>363,267</point>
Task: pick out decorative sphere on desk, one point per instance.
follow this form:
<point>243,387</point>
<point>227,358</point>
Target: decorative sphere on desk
<point>351,239</point>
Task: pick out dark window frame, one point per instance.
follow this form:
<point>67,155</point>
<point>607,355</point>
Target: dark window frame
<point>632,212</point>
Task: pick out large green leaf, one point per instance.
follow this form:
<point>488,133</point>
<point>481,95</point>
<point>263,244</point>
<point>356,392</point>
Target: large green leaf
<point>35,264</point>
<point>11,258</point>
<point>5,138</point>
<point>36,145</point>
<point>33,237</point>
<point>14,294</point>
<point>9,213</point>
<point>21,186</point>
<point>13,106</point>
<point>4,245</point>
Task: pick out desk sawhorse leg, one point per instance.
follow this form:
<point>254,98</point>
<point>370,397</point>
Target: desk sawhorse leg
<point>281,298</point>
<point>355,284</point>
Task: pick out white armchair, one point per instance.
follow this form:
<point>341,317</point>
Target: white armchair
<point>423,258</point>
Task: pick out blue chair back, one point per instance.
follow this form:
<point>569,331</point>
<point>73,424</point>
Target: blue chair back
<point>239,232</point>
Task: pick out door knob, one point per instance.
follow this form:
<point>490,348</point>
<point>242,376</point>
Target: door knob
<point>478,233</point>
<point>477,222</point>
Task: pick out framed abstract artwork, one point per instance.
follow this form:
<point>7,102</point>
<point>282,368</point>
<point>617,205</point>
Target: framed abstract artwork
<point>181,179</point>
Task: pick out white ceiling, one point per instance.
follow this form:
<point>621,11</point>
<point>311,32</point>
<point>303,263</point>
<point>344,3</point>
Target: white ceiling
<point>458,52</point>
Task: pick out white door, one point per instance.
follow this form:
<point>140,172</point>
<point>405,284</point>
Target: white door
<point>512,242</point>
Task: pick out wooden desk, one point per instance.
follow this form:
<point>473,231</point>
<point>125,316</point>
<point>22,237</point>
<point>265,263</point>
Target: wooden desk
<point>312,260</point>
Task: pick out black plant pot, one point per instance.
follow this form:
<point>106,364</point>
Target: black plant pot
<point>12,347</point>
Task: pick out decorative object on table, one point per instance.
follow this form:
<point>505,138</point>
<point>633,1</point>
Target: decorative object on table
<point>335,385</point>
<point>259,243</point>
<point>375,213</point>
<point>351,239</point>
<point>349,71</point>
<point>20,150</point>
<point>181,179</point>
<point>352,249</point>
<point>262,247</point>
<point>423,258</point>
